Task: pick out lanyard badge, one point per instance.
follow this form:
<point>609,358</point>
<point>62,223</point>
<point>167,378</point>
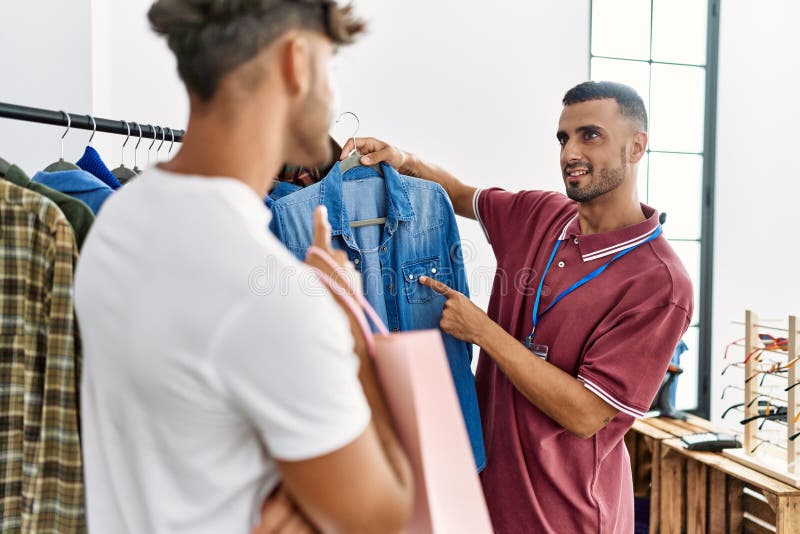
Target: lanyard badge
<point>542,350</point>
<point>537,348</point>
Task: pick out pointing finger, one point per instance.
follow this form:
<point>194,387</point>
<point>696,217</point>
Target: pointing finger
<point>441,288</point>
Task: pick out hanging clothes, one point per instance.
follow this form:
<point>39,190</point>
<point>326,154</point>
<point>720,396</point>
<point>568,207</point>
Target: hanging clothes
<point>280,190</point>
<point>92,162</point>
<point>420,237</point>
<point>293,178</point>
<point>77,183</point>
<point>78,214</point>
<point>41,476</point>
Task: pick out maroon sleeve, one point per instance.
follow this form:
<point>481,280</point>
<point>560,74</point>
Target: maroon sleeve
<point>507,218</point>
<point>626,365</point>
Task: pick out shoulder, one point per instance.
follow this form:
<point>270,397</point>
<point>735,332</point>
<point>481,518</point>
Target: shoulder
<point>656,279</point>
<point>674,273</point>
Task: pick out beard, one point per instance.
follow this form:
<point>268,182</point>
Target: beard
<point>308,144</point>
<point>608,180</point>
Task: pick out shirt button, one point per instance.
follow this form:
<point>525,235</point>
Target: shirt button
<point>383,249</point>
<point>575,241</point>
<point>390,287</point>
<point>410,276</point>
<point>433,271</point>
<point>561,264</point>
<point>356,261</point>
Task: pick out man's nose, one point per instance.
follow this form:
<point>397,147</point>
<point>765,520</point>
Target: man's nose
<point>570,153</point>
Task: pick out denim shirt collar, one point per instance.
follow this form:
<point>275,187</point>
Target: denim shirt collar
<point>398,202</point>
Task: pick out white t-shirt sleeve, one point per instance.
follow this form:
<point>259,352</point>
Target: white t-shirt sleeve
<point>300,390</point>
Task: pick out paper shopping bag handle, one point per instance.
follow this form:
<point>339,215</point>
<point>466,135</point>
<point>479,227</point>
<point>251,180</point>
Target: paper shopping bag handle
<point>374,318</point>
<point>352,306</point>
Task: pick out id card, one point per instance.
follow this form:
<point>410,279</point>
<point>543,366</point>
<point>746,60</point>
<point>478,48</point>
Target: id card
<point>537,349</point>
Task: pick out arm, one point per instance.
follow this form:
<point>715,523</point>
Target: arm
<point>365,486</point>
<point>561,396</point>
<point>376,151</point>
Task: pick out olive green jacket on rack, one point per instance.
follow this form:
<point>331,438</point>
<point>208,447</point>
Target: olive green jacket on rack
<point>41,480</point>
<point>78,214</point>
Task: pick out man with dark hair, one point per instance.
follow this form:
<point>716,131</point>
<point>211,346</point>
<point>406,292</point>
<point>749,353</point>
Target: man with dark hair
<point>206,384</point>
<point>578,350</point>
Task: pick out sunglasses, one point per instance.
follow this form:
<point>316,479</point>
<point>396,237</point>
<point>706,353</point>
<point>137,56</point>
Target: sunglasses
<point>761,403</point>
<point>775,368</point>
<point>769,341</point>
<point>763,441</point>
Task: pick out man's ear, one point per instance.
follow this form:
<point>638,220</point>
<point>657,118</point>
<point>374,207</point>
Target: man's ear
<point>296,62</point>
<point>639,147</point>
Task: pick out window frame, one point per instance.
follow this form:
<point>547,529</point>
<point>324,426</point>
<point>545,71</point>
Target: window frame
<point>706,240</point>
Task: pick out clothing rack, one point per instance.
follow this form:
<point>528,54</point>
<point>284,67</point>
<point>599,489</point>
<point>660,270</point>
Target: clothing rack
<point>84,122</point>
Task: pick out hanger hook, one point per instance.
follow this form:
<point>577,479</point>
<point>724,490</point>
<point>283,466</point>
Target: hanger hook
<point>122,149</point>
<point>154,138</point>
<point>69,125</point>
<point>172,140</point>
<point>163,140</point>
<point>358,125</point>
<point>94,128</point>
<point>136,148</point>
<point>128,136</point>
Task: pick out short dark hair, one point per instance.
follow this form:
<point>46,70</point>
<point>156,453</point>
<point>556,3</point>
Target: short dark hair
<point>630,103</point>
<point>211,38</point>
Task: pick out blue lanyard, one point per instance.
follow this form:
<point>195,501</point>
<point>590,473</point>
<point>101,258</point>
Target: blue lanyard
<point>591,276</point>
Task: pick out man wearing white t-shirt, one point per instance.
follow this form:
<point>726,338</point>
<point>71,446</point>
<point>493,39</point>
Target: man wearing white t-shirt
<point>214,368</point>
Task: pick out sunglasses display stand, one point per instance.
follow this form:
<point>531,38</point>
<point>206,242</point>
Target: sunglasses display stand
<point>778,458</point>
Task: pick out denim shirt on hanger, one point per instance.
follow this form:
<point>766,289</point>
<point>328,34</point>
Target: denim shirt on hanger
<point>420,237</point>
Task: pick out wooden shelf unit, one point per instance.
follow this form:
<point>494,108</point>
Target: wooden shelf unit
<point>782,463</point>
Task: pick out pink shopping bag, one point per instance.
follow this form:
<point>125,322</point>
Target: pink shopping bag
<point>413,371</point>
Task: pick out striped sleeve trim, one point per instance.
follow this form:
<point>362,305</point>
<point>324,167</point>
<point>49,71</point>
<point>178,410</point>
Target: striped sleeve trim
<point>478,213</point>
<point>600,392</point>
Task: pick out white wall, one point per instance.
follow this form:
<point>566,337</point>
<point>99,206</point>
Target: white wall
<point>86,57</point>
<point>757,252</point>
<point>473,86</point>
<point>52,72</point>
<point>137,71</point>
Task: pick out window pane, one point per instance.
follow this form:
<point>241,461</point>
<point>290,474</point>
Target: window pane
<point>689,253</point>
<point>675,188</point>
<point>677,108</point>
<point>633,73</point>
<point>679,31</point>
<point>621,28</point>
<point>686,397</point>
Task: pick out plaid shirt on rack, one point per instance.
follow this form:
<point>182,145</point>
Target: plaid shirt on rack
<point>41,481</point>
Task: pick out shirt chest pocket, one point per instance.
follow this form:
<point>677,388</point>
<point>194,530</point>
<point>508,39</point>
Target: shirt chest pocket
<point>417,293</point>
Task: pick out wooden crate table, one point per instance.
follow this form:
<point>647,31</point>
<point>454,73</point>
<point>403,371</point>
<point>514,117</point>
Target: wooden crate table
<point>643,441</point>
<point>644,448</point>
<point>707,492</point>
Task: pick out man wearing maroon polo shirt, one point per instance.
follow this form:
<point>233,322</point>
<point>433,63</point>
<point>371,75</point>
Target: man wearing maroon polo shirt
<point>578,349</point>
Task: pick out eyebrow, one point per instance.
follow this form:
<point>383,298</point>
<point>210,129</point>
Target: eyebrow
<point>581,129</point>
<point>588,127</point>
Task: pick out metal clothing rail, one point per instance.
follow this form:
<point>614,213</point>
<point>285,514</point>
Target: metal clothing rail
<point>84,122</point>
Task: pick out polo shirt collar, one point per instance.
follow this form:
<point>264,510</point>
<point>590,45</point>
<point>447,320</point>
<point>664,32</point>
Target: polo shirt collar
<point>596,246</point>
<point>398,201</point>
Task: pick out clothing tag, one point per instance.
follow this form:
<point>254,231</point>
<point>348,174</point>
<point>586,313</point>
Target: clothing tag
<point>539,350</point>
